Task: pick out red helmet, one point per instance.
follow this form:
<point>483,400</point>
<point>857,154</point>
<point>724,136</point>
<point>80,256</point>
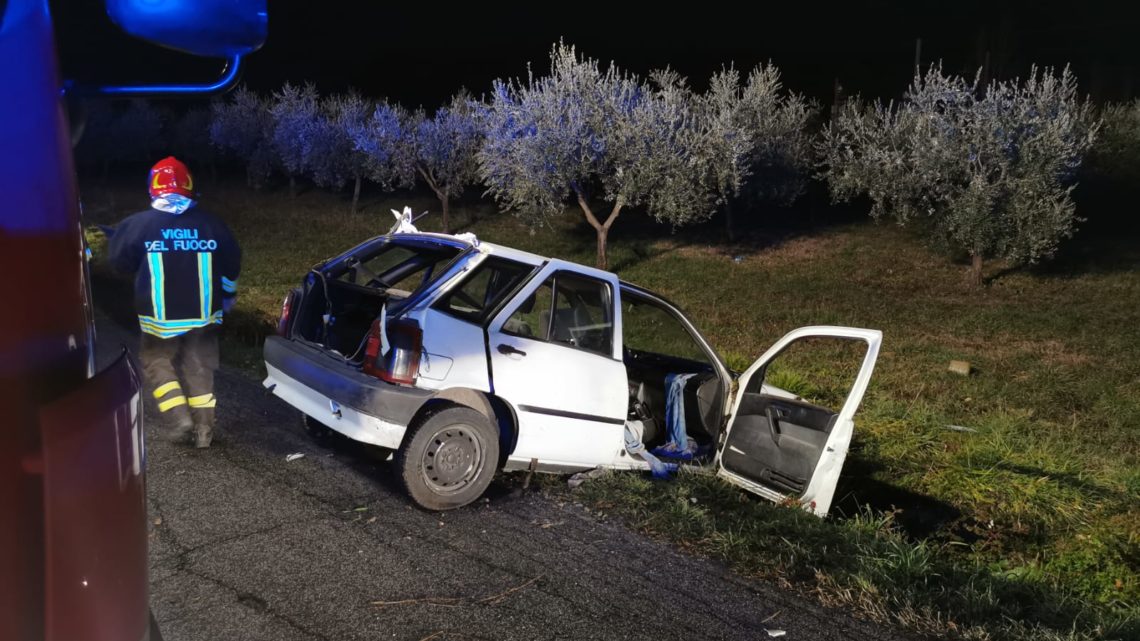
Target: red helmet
<point>170,176</point>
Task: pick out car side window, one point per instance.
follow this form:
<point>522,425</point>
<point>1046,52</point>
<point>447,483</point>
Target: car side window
<point>568,309</point>
<point>647,327</point>
<point>483,289</point>
<point>531,319</point>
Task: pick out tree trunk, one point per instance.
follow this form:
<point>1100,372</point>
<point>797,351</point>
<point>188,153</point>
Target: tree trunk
<point>603,229</point>
<point>440,193</point>
<point>976,269</point>
<point>603,257</point>
<point>445,202</point>
<point>356,194</point>
<point>292,186</point>
<point>728,220</point>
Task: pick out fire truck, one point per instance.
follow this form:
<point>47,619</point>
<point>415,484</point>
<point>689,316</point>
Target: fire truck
<point>73,524</point>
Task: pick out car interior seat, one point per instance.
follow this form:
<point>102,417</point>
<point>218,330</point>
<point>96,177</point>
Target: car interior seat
<point>518,326</point>
<point>566,320</point>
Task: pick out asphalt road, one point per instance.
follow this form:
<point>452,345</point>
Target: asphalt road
<point>245,545</point>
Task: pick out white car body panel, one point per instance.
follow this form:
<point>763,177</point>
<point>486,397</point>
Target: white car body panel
<point>455,356</point>
<point>512,254</point>
<point>571,404</point>
<point>817,496</point>
<point>353,424</point>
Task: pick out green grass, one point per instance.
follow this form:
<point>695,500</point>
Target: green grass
<point>1026,527</point>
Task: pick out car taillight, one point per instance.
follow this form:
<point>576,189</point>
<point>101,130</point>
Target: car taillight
<point>402,362</point>
<point>286,311</point>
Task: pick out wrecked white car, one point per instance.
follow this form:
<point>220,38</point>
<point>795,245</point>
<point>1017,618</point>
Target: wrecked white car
<point>465,357</point>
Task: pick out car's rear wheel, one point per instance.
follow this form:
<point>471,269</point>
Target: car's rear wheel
<point>449,458</point>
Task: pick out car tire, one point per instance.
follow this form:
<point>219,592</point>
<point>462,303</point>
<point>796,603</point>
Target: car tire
<point>449,458</point>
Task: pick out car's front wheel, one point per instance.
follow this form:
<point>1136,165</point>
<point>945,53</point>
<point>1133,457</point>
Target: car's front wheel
<point>449,458</point>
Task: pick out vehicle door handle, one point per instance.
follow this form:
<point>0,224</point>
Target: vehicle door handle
<point>773,425</point>
<point>507,349</point>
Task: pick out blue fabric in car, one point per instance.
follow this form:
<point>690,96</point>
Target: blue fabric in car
<point>679,445</point>
<point>634,446</point>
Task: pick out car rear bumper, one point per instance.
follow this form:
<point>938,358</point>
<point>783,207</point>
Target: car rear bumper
<point>359,406</point>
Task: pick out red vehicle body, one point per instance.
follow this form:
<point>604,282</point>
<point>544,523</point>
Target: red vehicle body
<point>73,525</point>
<point>72,494</point>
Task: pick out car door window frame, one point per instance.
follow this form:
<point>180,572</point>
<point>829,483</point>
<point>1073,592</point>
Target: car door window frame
<point>487,313</point>
<point>609,306</point>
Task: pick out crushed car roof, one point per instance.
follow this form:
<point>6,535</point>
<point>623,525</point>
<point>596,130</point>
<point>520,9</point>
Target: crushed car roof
<point>491,248</point>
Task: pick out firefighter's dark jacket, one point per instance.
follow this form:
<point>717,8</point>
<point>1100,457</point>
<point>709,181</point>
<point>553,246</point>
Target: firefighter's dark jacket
<point>185,266</point>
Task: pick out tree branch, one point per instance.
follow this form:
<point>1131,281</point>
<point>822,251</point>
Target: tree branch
<point>618,204</point>
<point>586,210</point>
<point>428,178</point>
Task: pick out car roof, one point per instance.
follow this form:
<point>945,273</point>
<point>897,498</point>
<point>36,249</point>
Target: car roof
<point>515,254</point>
<point>492,248</point>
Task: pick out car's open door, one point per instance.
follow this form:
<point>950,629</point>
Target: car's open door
<point>782,446</point>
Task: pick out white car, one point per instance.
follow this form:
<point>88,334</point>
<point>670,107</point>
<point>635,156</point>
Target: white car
<point>465,357</point>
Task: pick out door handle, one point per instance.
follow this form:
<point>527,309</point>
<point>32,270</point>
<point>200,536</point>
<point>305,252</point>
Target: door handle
<point>773,424</point>
<point>508,350</point>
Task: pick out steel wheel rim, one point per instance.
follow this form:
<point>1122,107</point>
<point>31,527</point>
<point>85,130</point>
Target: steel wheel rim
<point>452,459</point>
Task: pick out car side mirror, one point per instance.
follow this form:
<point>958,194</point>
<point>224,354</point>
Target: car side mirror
<point>210,28</point>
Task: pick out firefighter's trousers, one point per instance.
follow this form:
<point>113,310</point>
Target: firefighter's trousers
<point>179,373</point>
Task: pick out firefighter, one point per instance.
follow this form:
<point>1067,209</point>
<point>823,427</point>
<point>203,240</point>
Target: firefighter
<point>186,263</point>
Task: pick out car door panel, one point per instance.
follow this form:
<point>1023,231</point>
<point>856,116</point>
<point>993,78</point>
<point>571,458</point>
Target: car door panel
<point>570,401</point>
<point>777,440</point>
<point>782,447</point>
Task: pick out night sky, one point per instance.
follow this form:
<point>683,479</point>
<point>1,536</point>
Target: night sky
<point>419,53</point>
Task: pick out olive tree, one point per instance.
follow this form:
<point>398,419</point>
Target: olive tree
<point>592,136</point>
<point>986,170</point>
<point>1116,153</point>
<point>757,139</point>
<point>381,139</point>
<point>296,122</point>
<point>190,139</point>
<point>331,157</point>
<point>314,136</point>
<point>241,127</point>
<point>444,148</point>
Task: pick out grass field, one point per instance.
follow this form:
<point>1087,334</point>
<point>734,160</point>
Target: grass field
<point>1025,526</point>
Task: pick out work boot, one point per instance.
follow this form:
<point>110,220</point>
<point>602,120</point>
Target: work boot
<point>179,429</point>
<point>203,435</point>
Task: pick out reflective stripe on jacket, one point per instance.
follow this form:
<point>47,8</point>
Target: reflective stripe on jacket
<point>185,266</point>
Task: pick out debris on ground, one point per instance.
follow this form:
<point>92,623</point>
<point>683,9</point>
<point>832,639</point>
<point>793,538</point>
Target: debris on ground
<point>494,599</point>
<point>962,368</point>
<point>581,477</point>
<point>960,428</point>
<point>293,457</point>
<point>775,633</point>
